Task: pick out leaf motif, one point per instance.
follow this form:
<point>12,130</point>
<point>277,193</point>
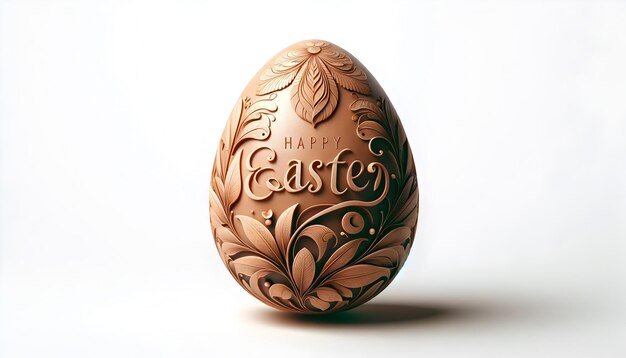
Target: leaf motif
<point>257,129</point>
<point>395,237</point>
<point>342,256</point>
<point>315,95</point>
<point>215,220</point>
<point>404,195</point>
<point>328,294</point>
<point>232,249</point>
<point>228,262</point>
<point>403,255</point>
<point>282,73</point>
<point>381,261</point>
<point>249,120</point>
<point>392,118</point>
<point>255,287</point>
<point>339,306</point>
<point>411,219</point>
<point>226,142</point>
<point>355,80</point>
<point>261,108</point>
<point>255,280</point>
<point>219,189</point>
<point>317,303</point>
<point>248,265</point>
<point>387,257</point>
<point>231,265</point>
<point>370,129</point>
<point>359,275</point>
<point>259,236</point>
<point>321,235</point>
<point>231,128</point>
<point>217,165</point>
<point>280,291</point>
<point>409,171</point>
<point>224,234</point>
<point>368,294</point>
<point>217,210</point>
<point>343,290</point>
<point>284,228</point>
<point>409,207</point>
<point>303,269</point>
<point>405,209</point>
<point>233,180</point>
<point>365,109</point>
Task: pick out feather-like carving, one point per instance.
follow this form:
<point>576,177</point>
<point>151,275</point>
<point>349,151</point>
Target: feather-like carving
<point>315,96</point>
<point>344,72</point>
<point>282,73</point>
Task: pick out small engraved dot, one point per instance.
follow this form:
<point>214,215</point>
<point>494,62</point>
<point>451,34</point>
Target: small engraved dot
<point>372,231</point>
<point>252,212</point>
<point>268,222</point>
<point>393,176</point>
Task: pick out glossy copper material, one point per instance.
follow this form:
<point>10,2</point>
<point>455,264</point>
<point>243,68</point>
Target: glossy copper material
<point>314,196</point>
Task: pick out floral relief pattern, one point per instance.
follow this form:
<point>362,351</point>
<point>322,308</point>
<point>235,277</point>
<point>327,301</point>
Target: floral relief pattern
<point>298,263</point>
<point>315,69</point>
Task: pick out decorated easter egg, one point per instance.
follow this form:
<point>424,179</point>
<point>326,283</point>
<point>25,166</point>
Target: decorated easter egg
<point>313,194</point>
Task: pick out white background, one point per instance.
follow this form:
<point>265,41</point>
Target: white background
<point>110,113</point>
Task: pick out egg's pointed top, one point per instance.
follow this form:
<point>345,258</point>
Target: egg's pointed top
<point>313,69</point>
